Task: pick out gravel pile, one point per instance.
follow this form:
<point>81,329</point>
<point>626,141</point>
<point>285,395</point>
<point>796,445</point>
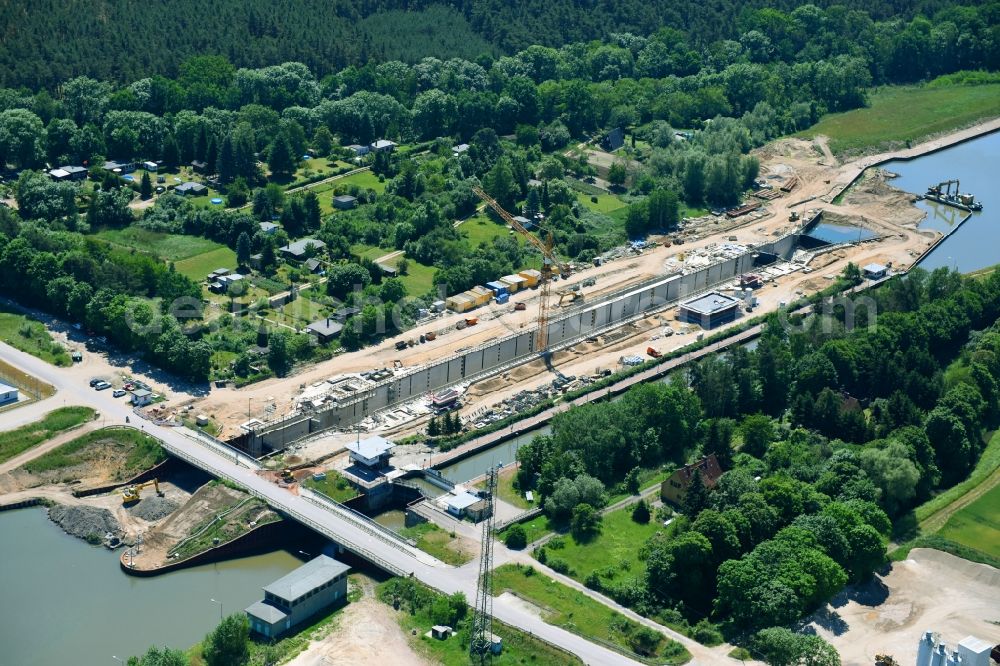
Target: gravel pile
<point>84,521</point>
<point>153,508</point>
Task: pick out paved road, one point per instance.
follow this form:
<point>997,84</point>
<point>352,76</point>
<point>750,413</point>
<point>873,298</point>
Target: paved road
<point>356,534</point>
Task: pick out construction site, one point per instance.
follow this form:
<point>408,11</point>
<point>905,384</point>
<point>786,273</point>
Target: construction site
<point>522,338</point>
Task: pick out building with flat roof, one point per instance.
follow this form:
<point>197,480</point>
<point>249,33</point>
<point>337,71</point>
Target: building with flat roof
<point>8,394</point>
<point>462,503</point>
<point>875,271</point>
<point>371,452</point>
<point>296,597</point>
<point>710,310</point>
<point>268,227</point>
<point>345,202</point>
<point>194,189</point>
<point>142,397</point>
<point>383,145</point>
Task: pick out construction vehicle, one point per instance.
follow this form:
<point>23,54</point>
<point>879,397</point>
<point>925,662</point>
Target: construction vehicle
<point>885,660</point>
<point>287,476</point>
<point>131,493</point>
<point>471,321</point>
<point>552,268</point>
<point>793,217</point>
<point>518,307</point>
<point>655,353</point>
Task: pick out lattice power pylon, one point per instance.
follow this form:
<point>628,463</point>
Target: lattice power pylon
<point>481,643</point>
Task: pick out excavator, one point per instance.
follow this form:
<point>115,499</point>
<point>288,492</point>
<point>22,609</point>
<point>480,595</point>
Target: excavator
<point>131,493</point>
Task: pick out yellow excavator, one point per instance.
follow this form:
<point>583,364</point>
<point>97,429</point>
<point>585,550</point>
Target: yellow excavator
<point>131,493</point>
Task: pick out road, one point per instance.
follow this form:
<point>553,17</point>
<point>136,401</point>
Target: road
<point>357,535</point>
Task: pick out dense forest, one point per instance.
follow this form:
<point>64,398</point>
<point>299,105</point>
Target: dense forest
<point>828,436</point>
<point>50,41</point>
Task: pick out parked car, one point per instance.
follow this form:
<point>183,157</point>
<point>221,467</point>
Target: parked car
<point>102,386</point>
<point>118,393</point>
<point>94,382</point>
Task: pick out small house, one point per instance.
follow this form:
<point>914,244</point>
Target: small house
<point>298,596</point>
<point>459,149</point>
<point>268,228</point>
<point>119,167</point>
<point>372,452</point>
<point>199,166</point>
<point>345,202</point>
<point>613,140</point>
<point>217,273</point>
<point>341,314</point>
<point>523,221</point>
<point>299,250</point>
<point>674,488</point>
<point>383,146</point>
<point>142,397</point>
<point>150,166</point>
<point>190,188</point>
<point>462,503</point>
<point>8,394</point>
<point>359,151</point>
<point>314,266</point>
<point>324,330</point>
<point>441,632</point>
<point>68,173</point>
<point>387,270</point>
<point>498,288</point>
<point>875,271</point>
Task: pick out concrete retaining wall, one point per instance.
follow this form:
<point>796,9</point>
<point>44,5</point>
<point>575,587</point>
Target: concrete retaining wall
<point>609,311</point>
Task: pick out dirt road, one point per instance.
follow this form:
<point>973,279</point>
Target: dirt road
<point>366,633</point>
<point>47,446</point>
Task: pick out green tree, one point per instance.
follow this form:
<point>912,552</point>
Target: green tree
<point>243,249</point>
<point>22,138</point>
<point>499,184</point>
<point>637,220</point>
<point>342,279</point>
<point>145,187</point>
<point>160,657</point>
<point>585,522</point>
<point>617,173</point>
<point>784,647</point>
<point>171,152</point>
<point>280,158</point>
<point>238,193</point>
<point>433,428</point>
<point>516,538</point>
<point>696,497</point>
<point>279,358</point>
<point>322,140</point>
<point>758,433</point>
<point>229,643</point>
<point>664,210</point>
<point>640,513</point>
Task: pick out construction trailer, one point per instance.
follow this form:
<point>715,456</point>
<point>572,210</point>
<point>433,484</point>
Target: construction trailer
<point>480,295</point>
<point>516,282</point>
<point>460,303</point>
<point>531,277</point>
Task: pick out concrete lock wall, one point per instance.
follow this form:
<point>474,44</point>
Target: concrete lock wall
<point>518,347</point>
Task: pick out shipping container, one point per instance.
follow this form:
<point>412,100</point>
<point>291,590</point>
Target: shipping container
<point>531,276</point>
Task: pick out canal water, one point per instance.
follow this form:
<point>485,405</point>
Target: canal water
<point>67,602</point>
<point>840,233</point>
<point>975,164</point>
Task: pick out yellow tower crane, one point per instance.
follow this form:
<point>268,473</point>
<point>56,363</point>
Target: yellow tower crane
<point>550,264</point>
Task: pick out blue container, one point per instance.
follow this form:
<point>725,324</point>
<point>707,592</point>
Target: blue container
<point>497,288</point>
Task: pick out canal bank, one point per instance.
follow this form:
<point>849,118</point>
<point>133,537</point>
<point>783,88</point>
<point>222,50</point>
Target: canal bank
<point>74,605</point>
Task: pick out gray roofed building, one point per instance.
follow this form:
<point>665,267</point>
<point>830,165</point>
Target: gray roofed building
<point>189,187</point>
<point>325,329</point>
<point>299,595</point>
<point>710,310</point>
<point>371,452</point>
<point>875,271</point>
<point>309,576</point>
<point>383,144</point>
<point>459,149</point>
<point>358,149</point>
<point>268,227</point>
<point>299,248</point>
<point>345,202</point>
<point>313,265</point>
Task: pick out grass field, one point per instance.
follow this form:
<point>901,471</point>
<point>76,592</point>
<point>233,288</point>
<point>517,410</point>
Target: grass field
<point>481,229</point>
<point>15,442</point>
<point>615,550</point>
<point>369,251</point>
<point>169,247</point>
<point>419,279</point>
<point>435,541</point>
<point>200,265</point>
<point>901,114</point>
<point>576,612</point>
<point>333,486</point>
<point>143,452</point>
<point>977,525</point>
<point>506,490</point>
<point>606,203</point>
<point>30,336</point>
<point>535,528</point>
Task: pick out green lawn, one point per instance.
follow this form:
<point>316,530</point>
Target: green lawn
<point>169,247</point>
<point>333,486</point>
<point>978,524</point>
<point>535,528</point>
<point>419,279</point>
<point>437,542</point>
<point>481,229</point>
<point>31,336</point>
<point>576,612</point>
<point>506,490</point>
<point>365,179</point>
<point>372,252</point>
<point>200,265</point>
<point>899,114</point>
<point>606,203</point>
<point>615,550</point>
<point>15,442</point>
<point>142,452</point>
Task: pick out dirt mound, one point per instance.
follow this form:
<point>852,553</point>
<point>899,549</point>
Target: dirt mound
<point>84,521</point>
<point>153,508</point>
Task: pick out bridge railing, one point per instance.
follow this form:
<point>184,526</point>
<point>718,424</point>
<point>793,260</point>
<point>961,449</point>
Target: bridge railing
<point>361,520</point>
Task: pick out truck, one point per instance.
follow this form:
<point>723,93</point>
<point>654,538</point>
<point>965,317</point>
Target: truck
<point>401,345</point>
<point>519,307</point>
<point>655,353</point>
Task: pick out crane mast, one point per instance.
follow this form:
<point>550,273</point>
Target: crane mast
<point>550,264</point>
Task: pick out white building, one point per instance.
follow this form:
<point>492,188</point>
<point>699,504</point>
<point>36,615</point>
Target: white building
<point>371,452</point>
<point>8,394</point>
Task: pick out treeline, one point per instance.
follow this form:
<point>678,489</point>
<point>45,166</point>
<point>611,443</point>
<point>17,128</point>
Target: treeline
<point>827,436</point>
<point>49,42</point>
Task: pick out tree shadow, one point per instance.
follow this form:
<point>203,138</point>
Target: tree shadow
<point>827,618</point>
<point>905,527</point>
<point>872,592</point>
